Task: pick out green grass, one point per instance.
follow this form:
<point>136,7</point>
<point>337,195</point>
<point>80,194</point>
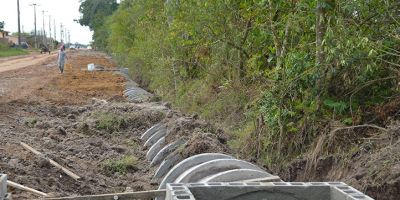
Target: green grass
<point>31,122</point>
<point>8,51</point>
<point>109,121</point>
<point>121,165</point>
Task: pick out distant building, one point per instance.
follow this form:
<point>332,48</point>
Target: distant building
<point>6,38</point>
<point>4,34</point>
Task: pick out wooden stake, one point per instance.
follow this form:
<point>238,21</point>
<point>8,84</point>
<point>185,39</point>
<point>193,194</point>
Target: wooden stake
<point>52,162</point>
<point>120,196</point>
<point>21,187</point>
<point>265,179</point>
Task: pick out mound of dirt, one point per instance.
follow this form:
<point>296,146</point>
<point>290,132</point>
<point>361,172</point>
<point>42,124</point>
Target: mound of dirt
<point>200,136</point>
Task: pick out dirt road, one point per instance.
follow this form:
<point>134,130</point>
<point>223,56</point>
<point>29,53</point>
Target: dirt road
<point>18,62</point>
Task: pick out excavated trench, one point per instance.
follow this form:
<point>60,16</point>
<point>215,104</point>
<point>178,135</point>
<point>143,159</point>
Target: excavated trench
<point>186,156</point>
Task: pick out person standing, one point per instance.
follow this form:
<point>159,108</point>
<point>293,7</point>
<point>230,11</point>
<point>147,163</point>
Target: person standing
<point>61,58</point>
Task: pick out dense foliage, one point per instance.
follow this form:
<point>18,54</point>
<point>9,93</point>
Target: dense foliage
<point>275,72</point>
<point>1,26</point>
<point>94,14</point>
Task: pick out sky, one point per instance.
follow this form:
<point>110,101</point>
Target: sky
<point>63,11</point>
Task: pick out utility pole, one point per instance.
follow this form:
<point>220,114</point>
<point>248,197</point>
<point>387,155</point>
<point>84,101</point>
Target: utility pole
<point>44,31</point>
<point>49,26</point>
<point>61,32</point>
<point>65,36</point>
<point>51,39</point>
<point>34,8</point>
<point>55,30</point>
<point>19,25</point>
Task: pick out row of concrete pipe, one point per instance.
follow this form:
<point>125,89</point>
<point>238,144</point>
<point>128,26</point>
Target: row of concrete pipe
<point>201,168</point>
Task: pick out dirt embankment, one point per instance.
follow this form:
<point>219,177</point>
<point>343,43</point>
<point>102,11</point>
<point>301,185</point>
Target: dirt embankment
<point>367,159</point>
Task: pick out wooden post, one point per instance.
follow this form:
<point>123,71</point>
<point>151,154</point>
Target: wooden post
<point>120,196</point>
<point>52,162</point>
<point>21,187</point>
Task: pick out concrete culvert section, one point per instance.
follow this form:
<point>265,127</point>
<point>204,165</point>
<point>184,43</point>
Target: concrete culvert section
<point>146,135</point>
<point>196,173</point>
<point>155,137</point>
<point>152,152</point>
<point>235,175</point>
<point>166,165</point>
<point>188,163</point>
<point>164,152</point>
<point>268,191</point>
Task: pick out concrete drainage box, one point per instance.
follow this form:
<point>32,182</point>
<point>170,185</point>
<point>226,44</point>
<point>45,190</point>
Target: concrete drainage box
<point>264,191</point>
<point>3,186</point>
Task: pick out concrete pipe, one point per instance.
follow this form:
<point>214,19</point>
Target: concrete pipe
<point>196,173</point>
<point>146,135</point>
<point>235,175</point>
<point>155,137</point>
<point>164,152</point>
<point>188,163</point>
<point>155,149</point>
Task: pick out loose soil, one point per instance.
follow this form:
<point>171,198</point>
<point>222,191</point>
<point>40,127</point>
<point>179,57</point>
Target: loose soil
<point>81,120</point>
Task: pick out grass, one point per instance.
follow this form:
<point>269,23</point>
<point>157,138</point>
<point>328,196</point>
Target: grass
<point>121,165</point>
<point>109,121</point>
<point>132,143</point>
<point>31,122</point>
<point>8,51</point>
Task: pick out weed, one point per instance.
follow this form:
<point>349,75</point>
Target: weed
<point>132,143</point>
<point>109,121</point>
<point>30,122</point>
<point>122,165</point>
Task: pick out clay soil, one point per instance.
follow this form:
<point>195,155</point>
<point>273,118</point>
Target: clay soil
<point>61,115</point>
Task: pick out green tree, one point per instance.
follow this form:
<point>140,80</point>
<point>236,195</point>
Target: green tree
<point>1,26</point>
<point>94,15</point>
<point>289,67</point>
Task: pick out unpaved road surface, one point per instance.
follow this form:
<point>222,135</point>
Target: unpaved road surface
<point>18,62</point>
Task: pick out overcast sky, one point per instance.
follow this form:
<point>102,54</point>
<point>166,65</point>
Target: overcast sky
<point>63,11</point>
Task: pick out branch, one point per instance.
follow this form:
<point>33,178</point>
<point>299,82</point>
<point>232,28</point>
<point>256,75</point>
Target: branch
<point>241,49</point>
<point>360,126</point>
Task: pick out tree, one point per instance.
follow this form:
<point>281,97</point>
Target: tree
<point>1,26</point>
<point>94,12</point>
<point>294,64</point>
<point>94,15</point>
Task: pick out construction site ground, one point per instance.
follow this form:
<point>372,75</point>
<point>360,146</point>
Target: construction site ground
<point>58,115</point>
